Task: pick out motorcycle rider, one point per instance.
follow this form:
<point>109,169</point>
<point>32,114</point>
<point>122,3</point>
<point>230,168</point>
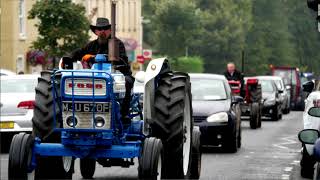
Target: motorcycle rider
<point>100,46</point>
<point>233,74</point>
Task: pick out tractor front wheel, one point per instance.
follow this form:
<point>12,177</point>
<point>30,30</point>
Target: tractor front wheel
<point>150,162</point>
<point>254,115</point>
<point>196,155</point>
<point>20,155</point>
<point>87,167</point>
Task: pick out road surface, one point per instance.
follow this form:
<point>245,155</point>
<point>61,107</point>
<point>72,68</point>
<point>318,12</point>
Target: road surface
<point>272,152</point>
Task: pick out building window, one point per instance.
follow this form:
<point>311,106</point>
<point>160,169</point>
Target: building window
<point>20,64</point>
<point>22,19</point>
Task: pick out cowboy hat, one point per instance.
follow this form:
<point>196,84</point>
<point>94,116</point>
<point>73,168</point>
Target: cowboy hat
<point>101,23</point>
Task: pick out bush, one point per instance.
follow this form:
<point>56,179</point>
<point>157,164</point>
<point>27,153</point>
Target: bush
<point>192,64</point>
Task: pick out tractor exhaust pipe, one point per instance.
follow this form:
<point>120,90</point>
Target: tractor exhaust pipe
<point>113,54</point>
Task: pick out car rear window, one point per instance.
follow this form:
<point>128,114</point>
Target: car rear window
<point>208,89</point>
<point>289,76</point>
<point>18,85</point>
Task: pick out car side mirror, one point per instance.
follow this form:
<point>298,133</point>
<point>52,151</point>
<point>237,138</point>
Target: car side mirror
<point>308,86</point>
<point>288,87</point>
<point>308,136</point>
<point>140,76</point>
<point>237,99</point>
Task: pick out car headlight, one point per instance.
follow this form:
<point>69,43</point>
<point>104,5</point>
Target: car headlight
<point>218,117</point>
<point>119,83</point>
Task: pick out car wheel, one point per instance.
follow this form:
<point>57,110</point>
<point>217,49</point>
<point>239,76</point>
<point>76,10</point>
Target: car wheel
<point>231,143</point>
<point>239,137</point>
<point>275,113</point>
<point>307,164</point>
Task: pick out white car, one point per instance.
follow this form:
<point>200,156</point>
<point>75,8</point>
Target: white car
<point>17,98</point>
<point>309,122</point>
<point>5,72</point>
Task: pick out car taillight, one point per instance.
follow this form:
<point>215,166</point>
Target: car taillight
<point>316,103</point>
<point>26,105</point>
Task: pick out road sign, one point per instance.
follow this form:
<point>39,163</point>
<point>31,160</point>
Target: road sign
<point>147,54</point>
<point>140,59</point>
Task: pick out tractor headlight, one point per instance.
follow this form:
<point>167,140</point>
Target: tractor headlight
<point>119,83</point>
<point>218,117</point>
<point>99,121</point>
<point>70,122</point>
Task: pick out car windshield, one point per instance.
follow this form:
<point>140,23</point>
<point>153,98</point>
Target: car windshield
<point>289,76</point>
<point>266,86</point>
<point>18,85</point>
<point>208,89</point>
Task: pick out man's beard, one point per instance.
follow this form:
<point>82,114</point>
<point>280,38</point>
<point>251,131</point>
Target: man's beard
<point>102,40</point>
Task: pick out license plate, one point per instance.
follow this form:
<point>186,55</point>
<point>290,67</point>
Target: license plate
<point>87,107</point>
<point>7,125</point>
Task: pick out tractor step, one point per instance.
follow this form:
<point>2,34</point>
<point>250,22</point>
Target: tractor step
<point>116,162</point>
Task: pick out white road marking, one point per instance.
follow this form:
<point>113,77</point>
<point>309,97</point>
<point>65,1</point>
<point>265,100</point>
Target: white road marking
<point>288,169</point>
<point>287,141</point>
<point>285,176</point>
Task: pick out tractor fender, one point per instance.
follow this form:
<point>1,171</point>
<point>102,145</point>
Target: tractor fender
<point>152,71</point>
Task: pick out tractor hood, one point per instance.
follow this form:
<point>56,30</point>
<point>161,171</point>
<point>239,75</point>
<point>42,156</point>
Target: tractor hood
<point>207,108</point>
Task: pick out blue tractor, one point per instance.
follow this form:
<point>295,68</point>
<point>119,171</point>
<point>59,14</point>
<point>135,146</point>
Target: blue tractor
<point>77,115</point>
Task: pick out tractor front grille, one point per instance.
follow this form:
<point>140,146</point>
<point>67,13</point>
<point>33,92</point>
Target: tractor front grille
<point>85,120</point>
<point>85,87</point>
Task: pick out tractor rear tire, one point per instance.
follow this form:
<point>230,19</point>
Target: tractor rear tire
<point>173,123</point>
<point>150,162</point>
<point>20,155</point>
<point>254,115</point>
<point>43,125</point>
<point>196,155</point>
<point>87,167</point>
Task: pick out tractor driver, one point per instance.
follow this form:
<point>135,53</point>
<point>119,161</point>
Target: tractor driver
<point>233,74</point>
<point>100,46</point>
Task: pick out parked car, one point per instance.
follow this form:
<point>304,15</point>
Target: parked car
<point>291,76</point>
<point>5,72</point>
<point>216,111</point>
<point>284,92</point>
<point>309,122</point>
<point>17,98</point>
<point>271,98</point>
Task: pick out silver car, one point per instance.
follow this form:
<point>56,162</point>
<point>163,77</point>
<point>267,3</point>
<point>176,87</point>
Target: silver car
<point>17,98</point>
<point>285,92</point>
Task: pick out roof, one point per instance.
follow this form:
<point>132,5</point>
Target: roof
<point>207,76</point>
<point>270,77</point>
<point>28,76</point>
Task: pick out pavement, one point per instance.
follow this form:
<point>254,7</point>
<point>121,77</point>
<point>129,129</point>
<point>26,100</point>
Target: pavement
<point>272,152</point>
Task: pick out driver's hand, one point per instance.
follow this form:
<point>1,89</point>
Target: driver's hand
<point>87,57</point>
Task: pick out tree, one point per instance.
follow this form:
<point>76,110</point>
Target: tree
<point>225,24</point>
<point>62,26</point>
<point>269,41</point>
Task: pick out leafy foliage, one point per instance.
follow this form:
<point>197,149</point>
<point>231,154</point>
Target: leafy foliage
<point>62,26</point>
<point>188,64</point>
<point>270,32</point>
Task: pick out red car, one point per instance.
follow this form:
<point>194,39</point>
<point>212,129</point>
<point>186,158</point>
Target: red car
<point>293,84</point>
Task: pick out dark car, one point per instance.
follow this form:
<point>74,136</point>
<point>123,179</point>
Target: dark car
<point>216,111</point>
<point>271,99</point>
